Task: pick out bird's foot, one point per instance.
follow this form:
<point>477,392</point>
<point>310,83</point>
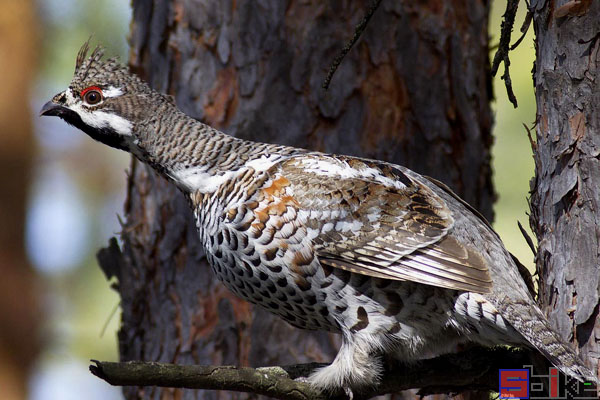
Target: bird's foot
<point>348,392</point>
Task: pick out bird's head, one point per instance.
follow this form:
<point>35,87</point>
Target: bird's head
<point>105,100</point>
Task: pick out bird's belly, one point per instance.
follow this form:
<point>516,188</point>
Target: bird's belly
<point>272,289</point>
<point>416,320</point>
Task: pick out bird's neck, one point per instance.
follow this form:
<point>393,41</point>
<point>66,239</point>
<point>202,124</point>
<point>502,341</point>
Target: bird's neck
<point>197,157</point>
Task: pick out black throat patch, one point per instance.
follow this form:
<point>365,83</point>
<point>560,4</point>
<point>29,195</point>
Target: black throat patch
<point>107,135</point>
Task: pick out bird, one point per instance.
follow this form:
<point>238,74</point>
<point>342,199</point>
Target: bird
<point>393,261</point>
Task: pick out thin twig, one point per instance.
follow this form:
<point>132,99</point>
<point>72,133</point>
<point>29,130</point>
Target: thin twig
<point>508,82</point>
<point>527,239</point>
<point>506,28</point>
<point>524,28</point>
<point>109,318</point>
<point>357,32</point>
<point>532,142</point>
<point>504,47</point>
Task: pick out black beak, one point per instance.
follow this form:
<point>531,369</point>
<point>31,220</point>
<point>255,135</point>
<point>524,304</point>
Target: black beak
<point>51,108</point>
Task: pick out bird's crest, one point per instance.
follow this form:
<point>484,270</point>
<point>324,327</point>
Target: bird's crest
<point>82,54</point>
<point>89,68</point>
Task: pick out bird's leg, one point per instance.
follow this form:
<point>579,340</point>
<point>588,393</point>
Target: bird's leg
<point>354,366</point>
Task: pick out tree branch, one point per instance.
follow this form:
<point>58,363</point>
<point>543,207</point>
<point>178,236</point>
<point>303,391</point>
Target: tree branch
<point>270,381</point>
<point>475,369</point>
<point>357,32</point>
<point>504,47</point>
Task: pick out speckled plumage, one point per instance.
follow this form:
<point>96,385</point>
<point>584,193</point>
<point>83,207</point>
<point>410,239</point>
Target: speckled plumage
<point>390,259</point>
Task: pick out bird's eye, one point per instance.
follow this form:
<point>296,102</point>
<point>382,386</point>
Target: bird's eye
<point>92,95</point>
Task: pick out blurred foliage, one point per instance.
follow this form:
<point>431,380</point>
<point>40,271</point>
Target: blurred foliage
<point>512,154</point>
<point>79,302</point>
<point>68,23</point>
<point>97,172</point>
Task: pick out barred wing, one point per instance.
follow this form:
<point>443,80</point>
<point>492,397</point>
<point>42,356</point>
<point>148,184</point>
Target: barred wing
<point>370,218</point>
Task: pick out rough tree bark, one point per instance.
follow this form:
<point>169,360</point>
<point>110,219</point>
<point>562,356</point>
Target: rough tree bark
<point>415,90</point>
<point>565,200</point>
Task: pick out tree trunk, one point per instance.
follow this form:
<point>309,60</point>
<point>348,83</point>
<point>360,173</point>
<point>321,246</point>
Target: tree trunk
<point>19,306</point>
<point>565,199</point>
<point>414,90</point>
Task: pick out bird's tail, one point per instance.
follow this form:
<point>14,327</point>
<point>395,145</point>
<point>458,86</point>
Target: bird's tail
<point>529,320</point>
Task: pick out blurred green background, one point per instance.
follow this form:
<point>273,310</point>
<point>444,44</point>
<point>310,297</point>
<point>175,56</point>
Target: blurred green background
<point>76,190</point>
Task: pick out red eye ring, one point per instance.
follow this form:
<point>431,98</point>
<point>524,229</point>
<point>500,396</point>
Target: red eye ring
<point>92,95</point>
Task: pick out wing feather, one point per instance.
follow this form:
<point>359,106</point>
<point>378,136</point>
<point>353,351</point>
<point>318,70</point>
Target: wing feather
<point>383,224</point>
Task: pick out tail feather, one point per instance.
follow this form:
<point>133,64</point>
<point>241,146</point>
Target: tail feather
<point>529,320</point>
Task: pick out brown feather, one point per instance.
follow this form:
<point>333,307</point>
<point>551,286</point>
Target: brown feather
<point>411,241</point>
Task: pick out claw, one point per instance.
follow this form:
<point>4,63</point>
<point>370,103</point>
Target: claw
<point>348,392</point>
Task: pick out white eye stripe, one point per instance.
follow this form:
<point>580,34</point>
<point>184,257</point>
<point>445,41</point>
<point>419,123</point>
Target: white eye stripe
<point>108,93</point>
<point>112,92</point>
